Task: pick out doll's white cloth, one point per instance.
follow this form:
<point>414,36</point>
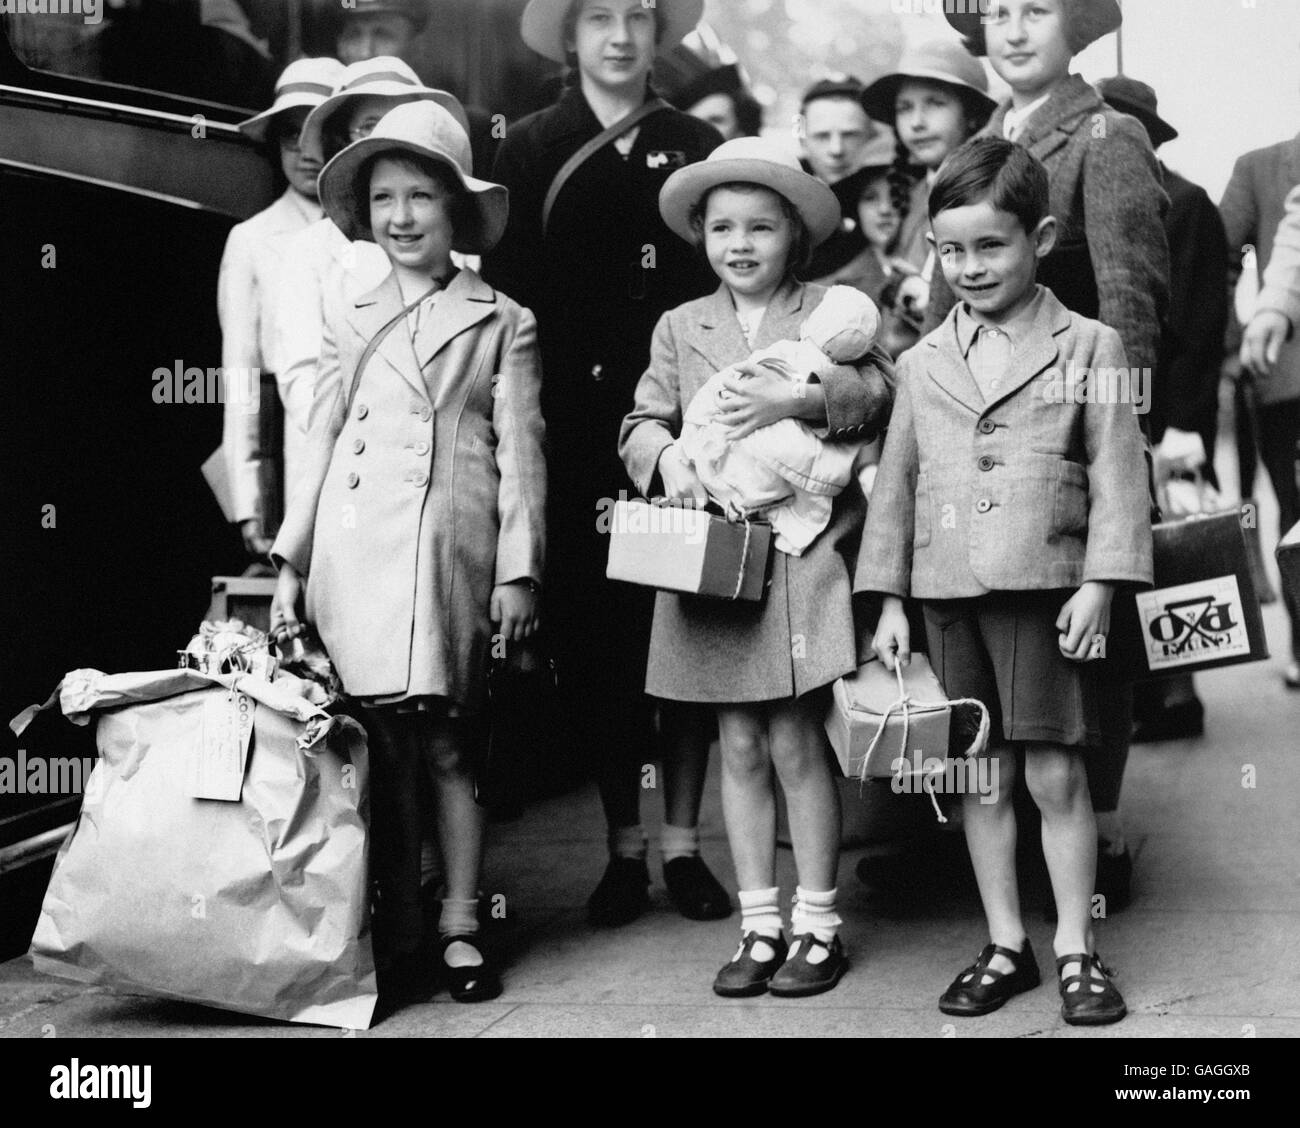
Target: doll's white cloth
<point>786,472</point>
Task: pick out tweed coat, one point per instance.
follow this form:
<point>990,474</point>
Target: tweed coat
<point>1281,290</point>
<point>1022,493</point>
<point>1253,208</point>
<point>802,635</point>
<point>428,493</point>
<point>1111,259</point>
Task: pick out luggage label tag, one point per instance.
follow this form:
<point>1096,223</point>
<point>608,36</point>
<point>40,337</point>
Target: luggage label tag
<point>219,760</point>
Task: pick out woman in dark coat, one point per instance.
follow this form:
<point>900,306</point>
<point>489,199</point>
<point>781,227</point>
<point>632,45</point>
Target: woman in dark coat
<point>598,271</point>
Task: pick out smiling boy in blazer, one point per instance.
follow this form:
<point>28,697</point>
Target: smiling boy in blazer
<point>1012,501</point>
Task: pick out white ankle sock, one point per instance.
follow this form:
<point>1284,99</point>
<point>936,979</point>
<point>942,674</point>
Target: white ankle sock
<point>628,842</point>
<point>760,911</point>
<point>679,841</point>
<point>815,912</point>
<point>459,918</point>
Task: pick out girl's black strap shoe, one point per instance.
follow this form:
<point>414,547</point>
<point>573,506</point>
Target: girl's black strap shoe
<point>474,984</point>
<point>970,996</point>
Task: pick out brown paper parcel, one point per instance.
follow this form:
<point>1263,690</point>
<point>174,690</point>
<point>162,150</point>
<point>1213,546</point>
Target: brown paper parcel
<point>256,904</point>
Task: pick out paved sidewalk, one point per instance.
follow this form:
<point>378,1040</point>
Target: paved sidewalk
<point>1210,945</point>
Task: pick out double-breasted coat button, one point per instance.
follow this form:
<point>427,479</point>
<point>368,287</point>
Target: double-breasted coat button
<point>421,449</point>
<point>353,480</point>
<point>987,426</point>
<point>598,373</point>
<point>358,445</point>
<point>983,505</point>
<point>426,413</point>
<point>420,480</point>
<point>362,411</point>
<point>986,463</point>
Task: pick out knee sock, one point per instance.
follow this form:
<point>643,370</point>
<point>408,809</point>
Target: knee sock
<point>628,842</point>
<point>460,918</point>
<point>760,911</point>
<point>679,841</point>
<point>815,912</point>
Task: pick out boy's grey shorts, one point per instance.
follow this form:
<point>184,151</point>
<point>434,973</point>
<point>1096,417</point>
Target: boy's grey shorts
<point>1001,649</point>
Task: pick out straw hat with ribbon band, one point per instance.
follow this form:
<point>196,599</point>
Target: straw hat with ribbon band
<point>750,160</point>
<point>383,77</point>
<point>1088,20</point>
<point>903,706</point>
<point>542,26</point>
<point>1130,96</point>
<point>427,130</point>
<point>940,61</point>
<point>307,82</point>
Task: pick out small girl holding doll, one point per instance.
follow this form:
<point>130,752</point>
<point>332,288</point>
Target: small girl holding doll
<point>764,667</point>
<point>418,528</point>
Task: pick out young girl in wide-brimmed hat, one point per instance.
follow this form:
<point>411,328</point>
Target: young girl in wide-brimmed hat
<point>1110,262</point>
<point>587,252</point>
<point>763,668</point>
<point>936,98</point>
<point>419,525</point>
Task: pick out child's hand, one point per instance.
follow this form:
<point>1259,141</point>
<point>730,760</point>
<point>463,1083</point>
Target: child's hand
<point>893,640</point>
<point>514,608</point>
<point>681,482</point>
<point>1084,622</point>
<point>754,396</point>
<point>284,606</point>
<point>256,543</point>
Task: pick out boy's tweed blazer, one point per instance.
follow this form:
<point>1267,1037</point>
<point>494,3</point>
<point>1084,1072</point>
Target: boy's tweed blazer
<point>1022,493</point>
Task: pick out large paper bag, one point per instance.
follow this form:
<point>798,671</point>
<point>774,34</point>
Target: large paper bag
<point>256,902</point>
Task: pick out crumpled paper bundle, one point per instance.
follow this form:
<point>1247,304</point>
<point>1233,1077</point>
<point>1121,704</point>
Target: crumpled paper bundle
<point>254,902</point>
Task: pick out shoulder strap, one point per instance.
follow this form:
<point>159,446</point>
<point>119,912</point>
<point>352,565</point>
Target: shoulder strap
<point>603,138</point>
<point>374,343</point>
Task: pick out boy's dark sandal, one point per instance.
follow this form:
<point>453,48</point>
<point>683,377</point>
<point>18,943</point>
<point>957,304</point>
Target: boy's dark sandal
<point>621,896</point>
<point>1095,1001</point>
<point>474,984</point>
<point>745,976</point>
<point>694,890</point>
<point>797,977</point>
<point>969,996</point>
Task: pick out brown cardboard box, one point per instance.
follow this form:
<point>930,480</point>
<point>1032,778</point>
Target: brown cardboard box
<point>689,551</point>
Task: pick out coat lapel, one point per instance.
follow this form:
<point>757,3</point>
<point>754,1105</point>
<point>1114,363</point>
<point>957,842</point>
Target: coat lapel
<point>374,309</point>
<point>1053,123</point>
<point>717,335</point>
<point>783,317</point>
<point>948,368</point>
<point>465,302</point>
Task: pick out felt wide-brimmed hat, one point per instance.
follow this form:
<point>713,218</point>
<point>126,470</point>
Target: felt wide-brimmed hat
<point>1089,21</point>
<point>942,61</point>
<point>543,24</point>
<point>1130,96</point>
<point>750,160</point>
<point>427,130</point>
<point>307,82</point>
<point>384,76</point>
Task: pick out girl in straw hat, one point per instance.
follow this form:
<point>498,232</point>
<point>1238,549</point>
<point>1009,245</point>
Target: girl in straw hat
<point>419,525</point>
<point>589,254</point>
<point>246,283</point>
<point>763,668</point>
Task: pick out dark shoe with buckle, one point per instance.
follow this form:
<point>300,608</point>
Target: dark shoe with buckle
<point>1089,998</point>
<point>621,896</point>
<point>1174,722</point>
<point>695,891</point>
<point>745,976</point>
<point>797,977</point>
<point>969,996</point>
<point>474,984</point>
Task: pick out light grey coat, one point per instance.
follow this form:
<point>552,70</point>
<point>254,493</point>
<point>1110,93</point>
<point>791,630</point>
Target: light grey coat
<point>802,635</point>
<point>430,491</point>
<point>1022,493</point>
